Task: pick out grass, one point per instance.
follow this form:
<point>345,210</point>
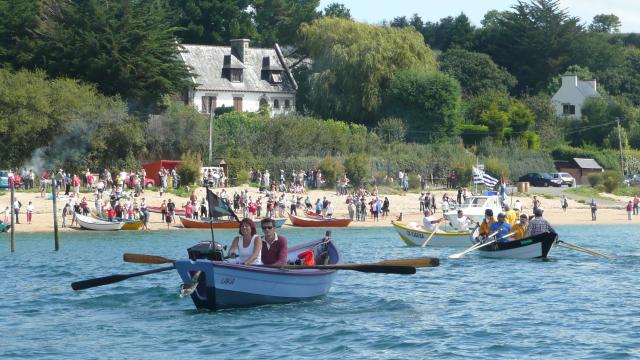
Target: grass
<point>586,191</point>
<point>627,191</point>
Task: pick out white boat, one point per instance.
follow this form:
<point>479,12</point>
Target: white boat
<point>414,235</point>
<point>537,246</point>
<point>474,207</point>
<point>90,223</point>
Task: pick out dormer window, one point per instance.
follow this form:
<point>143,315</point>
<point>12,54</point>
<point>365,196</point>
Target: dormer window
<point>236,75</point>
<point>275,77</point>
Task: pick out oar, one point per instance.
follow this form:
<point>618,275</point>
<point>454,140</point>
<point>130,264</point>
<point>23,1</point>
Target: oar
<point>106,280</point>
<point>575,247</point>
<point>472,247</point>
<point>430,236</point>
<point>386,266</point>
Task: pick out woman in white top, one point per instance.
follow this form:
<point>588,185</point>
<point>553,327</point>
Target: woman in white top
<point>248,246</point>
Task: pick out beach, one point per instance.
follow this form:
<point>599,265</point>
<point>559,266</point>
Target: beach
<point>405,203</point>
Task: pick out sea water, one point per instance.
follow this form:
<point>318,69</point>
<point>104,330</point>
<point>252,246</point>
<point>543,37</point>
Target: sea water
<point>572,305</point>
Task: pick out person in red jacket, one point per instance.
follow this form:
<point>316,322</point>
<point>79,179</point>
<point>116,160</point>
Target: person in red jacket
<point>274,246</point>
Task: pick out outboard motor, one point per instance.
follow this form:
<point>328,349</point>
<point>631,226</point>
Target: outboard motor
<point>206,250</point>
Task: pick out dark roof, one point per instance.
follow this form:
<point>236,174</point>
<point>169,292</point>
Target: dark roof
<point>587,163</point>
<point>207,63</point>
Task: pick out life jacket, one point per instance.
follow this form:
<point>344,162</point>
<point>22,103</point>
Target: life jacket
<point>308,257</point>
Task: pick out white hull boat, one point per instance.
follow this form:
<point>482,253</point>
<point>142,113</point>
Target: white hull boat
<point>475,206</point>
<point>414,235</point>
<point>91,223</point>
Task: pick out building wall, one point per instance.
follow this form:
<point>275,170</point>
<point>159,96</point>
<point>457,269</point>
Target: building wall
<point>250,100</point>
<point>570,94</point>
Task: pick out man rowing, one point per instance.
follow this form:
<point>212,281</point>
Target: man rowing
<point>501,228</point>
<point>486,222</point>
<point>538,225</point>
<point>461,222</point>
<point>520,228</point>
<point>430,222</point>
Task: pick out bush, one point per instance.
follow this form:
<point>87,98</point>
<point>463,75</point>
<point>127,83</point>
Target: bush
<point>414,182</point>
<point>496,167</point>
<point>594,179</point>
<point>611,180</point>
<point>357,168</point>
<point>242,177</point>
<point>189,168</point>
<point>331,169</point>
<point>472,133</point>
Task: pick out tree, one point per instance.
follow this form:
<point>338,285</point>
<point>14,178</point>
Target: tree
<point>449,32</point>
<point>353,64</point>
<point>429,102</point>
<point>126,48</point>
<point>533,42</point>
<point>476,72</point>
<point>17,43</point>
<point>604,23</point>
<point>392,130</point>
<point>399,22</point>
<point>213,22</point>
<point>624,80</point>
<point>520,118</point>
<point>357,168</point>
<point>277,21</point>
<point>337,10</point>
<point>496,120</point>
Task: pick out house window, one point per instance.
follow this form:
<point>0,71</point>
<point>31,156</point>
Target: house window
<point>263,103</point>
<point>276,104</point>
<point>237,104</point>
<point>208,104</point>
<point>568,109</point>
<point>287,104</point>
<point>275,78</point>
<point>236,75</point>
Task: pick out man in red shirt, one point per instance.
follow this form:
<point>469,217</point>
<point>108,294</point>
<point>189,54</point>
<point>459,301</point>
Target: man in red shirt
<point>274,246</point>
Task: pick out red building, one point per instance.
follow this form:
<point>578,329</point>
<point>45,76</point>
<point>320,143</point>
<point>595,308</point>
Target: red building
<point>153,168</point>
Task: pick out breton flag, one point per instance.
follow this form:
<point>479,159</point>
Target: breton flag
<point>481,177</point>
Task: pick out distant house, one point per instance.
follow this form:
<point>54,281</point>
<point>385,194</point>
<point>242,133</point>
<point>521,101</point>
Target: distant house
<point>571,96</point>
<point>239,76</point>
<point>579,168</point>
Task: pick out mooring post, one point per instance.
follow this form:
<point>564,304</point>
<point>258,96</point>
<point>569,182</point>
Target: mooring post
<point>13,214</point>
<point>55,215</point>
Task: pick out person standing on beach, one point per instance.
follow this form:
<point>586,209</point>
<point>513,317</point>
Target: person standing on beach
<point>30,212</point>
<point>636,201</point>
<point>536,203</point>
<point>65,211</point>
<point>594,209</point>
<point>564,202</point>
<point>16,209</point>
<point>629,209</point>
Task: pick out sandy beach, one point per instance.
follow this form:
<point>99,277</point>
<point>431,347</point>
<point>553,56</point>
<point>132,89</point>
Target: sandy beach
<point>408,204</point>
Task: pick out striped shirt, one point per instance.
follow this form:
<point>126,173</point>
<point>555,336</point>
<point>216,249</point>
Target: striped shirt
<point>537,226</point>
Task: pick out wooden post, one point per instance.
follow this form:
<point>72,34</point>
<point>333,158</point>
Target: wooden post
<point>56,240</point>
<point>12,210</point>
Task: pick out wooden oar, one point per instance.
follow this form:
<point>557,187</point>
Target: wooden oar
<point>430,236</point>
<point>106,280</point>
<point>575,247</point>
<point>472,247</point>
<point>368,268</point>
<point>382,265</point>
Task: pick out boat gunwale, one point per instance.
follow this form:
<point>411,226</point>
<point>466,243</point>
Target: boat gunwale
<point>440,232</point>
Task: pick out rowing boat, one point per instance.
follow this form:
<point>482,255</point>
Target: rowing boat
<point>218,224</point>
<point>415,235</point>
<point>157,210</point>
<point>90,223</point>
<point>318,222</point>
<point>537,246</point>
<point>222,285</point>
<point>5,227</point>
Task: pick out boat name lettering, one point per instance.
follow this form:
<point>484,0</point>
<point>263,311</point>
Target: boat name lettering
<point>526,242</point>
<point>415,234</point>
<point>227,280</point>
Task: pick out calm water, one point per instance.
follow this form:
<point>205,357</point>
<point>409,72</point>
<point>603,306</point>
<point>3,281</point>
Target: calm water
<point>571,306</point>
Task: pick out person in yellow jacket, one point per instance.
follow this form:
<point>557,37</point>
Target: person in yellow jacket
<point>486,222</point>
<point>510,216</point>
<point>521,227</point>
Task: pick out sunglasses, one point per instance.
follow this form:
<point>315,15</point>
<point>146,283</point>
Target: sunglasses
<point>267,227</point>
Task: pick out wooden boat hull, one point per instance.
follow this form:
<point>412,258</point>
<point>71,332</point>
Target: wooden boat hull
<point>413,236</point>
<point>133,225</point>
<point>90,223</point>
<point>219,224</point>
<point>224,285</point>
<point>537,246</point>
<point>5,227</point>
<point>156,209</point>
<point>317,222</point>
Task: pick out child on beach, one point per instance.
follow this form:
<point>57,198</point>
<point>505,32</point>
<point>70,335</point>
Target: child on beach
<point>29,212</point>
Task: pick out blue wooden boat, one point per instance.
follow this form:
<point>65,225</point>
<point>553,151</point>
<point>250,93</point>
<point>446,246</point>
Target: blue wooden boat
<point>5,227</point>
<point>222,285</point>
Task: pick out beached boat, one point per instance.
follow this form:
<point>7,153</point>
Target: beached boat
<point>5,227</point>
<point>156,209</point>
<point>128,224</point>
<point>91,223</point>
<point>218,224</point>
<point>222,285</point>
<point>318,222</point>
<point>414,235</point>
<point>475,206</point>
<point>537,246</point>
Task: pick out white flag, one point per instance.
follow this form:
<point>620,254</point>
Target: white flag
<point>480,177</point>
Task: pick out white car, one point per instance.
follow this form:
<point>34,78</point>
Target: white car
<point>565,178</point>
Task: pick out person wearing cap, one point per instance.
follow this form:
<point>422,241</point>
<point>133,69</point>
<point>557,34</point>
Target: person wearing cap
<point>538,225</point>
<point>520,227</point>
<point>501,228</point>
<point>430,222</point>
<point>486,222</point>
<point>461,222</point>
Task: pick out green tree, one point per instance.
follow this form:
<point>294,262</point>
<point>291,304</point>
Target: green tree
<point>277,21</point>
<point>605,23</point>
<point>17,43</point>
<point>624,80</point>
<point>189,168</point>
<point>353,64</point>
<point>392,130</point>
<point>596,52</point>
<point>533,41</point>
<point>450,32</point>
<point>357,168</point>
<point>480,103</point>
<point>496,120</point>
<point>475,72</point>
<point>337,10</point>
<point>429,102</point>
<point>213,22</point>
<point>331,169</point>
<point>126,48</point>
<point>520,118</point>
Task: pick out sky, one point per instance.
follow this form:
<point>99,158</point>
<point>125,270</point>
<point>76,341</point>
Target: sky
<point>374,11</point>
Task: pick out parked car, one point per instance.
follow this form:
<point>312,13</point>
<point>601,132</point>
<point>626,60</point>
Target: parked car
<point>4,180</point>
<point>632,180</point>
<point>541,179</point>
<point>565,178</point>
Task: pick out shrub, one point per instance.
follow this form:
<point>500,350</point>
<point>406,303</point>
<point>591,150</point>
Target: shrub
<point>472,133</point>
<point>189,168</point>
<point>611,180</point>
<point>594,179</point>
<point>496,167</point>
<point>331,169</point>
<point>357,167</point>
<point>414,182</point>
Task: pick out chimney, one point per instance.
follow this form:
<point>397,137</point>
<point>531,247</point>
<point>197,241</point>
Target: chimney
<point>239,48</point>
<point>592,83</point>
<point>570,81</point>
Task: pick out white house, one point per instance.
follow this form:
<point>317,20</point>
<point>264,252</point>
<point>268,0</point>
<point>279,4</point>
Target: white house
<point>571,96</point>
<point>239,76</point>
